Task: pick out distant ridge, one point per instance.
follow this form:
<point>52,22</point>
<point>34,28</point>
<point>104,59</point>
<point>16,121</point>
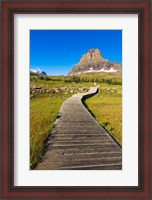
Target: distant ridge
<point>37,72</point>
<point>93,61</point>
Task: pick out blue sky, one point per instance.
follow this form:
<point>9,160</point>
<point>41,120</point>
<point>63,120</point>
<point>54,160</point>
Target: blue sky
<point>57,51</point>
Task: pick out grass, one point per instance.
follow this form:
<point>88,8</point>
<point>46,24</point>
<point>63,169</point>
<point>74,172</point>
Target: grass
<point>101,75</point>
<point>43,113</point>
<point>47,96</point>
<point>111,78</point>
<point>46,100</point>
<point>114,78</point>
<point>107,109</point>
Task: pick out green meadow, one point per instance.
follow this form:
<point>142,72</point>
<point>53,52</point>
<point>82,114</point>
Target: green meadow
<point>47,95</point>
<point>106,107</point>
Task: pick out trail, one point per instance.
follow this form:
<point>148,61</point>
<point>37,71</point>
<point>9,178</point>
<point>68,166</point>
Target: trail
<point>78,142</point>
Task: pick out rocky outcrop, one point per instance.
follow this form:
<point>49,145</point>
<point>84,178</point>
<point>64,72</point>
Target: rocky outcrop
<point>93,61</point>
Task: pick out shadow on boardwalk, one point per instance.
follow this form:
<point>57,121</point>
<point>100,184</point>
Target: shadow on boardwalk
<point>78,142</point>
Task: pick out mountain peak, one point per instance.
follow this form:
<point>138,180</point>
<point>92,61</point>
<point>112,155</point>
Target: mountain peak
<point>94,50</point>
<point>93,61</point>
<point>93,55</point>
<point>37,72</point>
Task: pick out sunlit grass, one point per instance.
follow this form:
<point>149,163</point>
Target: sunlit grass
<point>47,97</point>
<point>107,109</point>
<point>43,113</point>
<point>44,107</point>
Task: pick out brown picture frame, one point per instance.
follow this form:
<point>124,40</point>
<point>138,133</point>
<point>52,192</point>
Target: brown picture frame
<point>9,9</point>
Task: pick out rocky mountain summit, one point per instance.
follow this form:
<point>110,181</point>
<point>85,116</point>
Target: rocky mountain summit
<point>37,72</point>
<point>93,61</point>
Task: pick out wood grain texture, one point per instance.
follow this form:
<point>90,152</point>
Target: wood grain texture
<point>78,142</point>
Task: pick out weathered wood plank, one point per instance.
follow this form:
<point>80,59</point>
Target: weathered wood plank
<point>78,142</point>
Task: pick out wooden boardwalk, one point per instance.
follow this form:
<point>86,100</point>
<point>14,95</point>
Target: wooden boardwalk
<point>78,142</point>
